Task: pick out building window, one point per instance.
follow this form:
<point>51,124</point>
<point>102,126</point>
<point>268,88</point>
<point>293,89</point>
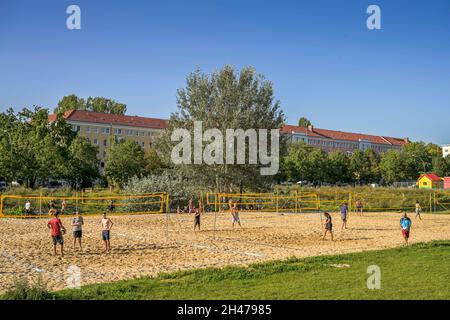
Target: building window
<point>95,130</point>
<point>143,144</point>
<point>106,130</point>
<point>95,141</point>
<point>88,129</point>
<point>105,142</point>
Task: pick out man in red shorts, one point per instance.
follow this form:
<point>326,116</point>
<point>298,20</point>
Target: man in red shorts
<point>405,224</point>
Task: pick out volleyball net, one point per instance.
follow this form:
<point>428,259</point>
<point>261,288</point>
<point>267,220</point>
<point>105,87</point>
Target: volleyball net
<point>28,206</point>
<point>298,201</point>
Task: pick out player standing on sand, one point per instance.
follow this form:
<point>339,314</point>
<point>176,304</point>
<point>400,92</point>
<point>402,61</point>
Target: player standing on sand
<point>328,226</point>
<point>28,207</point>
<point>344,214</point>
<point>405,225</point>
<point>359,207</point>
<point>197,215</point>
<point>234,213</point>
<point>63,206</point>
<point>107,224</point>
<point>418,210</point>
<point>77,225</point>
<point>56,231</point>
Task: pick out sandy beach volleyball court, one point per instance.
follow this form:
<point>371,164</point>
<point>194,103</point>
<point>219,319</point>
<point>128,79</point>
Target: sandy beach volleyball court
<point>147,244</point>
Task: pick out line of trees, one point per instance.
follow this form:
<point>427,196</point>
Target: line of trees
<point>96,104</point>
<point>302,162</point>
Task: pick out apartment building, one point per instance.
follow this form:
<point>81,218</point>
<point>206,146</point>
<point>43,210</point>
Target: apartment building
<point>347,142</point>
<point>101,129</point>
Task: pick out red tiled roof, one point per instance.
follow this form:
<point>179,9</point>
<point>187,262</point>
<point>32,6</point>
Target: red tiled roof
<point>431,176</point>
<point>106,118</point>
<point>340,135</point>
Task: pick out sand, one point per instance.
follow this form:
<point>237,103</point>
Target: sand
<point>146,245</point>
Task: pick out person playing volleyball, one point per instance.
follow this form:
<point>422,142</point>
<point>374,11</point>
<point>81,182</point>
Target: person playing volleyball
<point>77,228</point>
<point>344,214</point>
<point>328,226</point>
<point>418,210</point>
<point>197,215</point>
<point>56,231</point>
<point>405,225</point>
<point>107,224</point>
<point>234,213</point>
<point>359,207</point>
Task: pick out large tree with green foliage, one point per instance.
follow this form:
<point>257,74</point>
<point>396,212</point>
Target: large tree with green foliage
<point>304,122</point>
<point>124,160</point>
<point>224,100</point>
<point>39,150</point>
<point>97,104</point>
<point>338,167</point>
<point>82,165</point>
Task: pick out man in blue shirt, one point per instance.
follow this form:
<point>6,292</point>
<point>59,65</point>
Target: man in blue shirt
<point>405,224</point>
<point>344,213</point>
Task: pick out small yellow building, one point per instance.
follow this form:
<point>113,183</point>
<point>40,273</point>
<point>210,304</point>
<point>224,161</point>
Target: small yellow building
<point>429,181</point>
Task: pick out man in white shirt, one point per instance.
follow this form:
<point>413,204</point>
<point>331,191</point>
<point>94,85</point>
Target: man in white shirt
<point>28,207</point>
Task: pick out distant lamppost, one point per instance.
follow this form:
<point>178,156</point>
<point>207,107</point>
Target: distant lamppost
<point>11,154</point>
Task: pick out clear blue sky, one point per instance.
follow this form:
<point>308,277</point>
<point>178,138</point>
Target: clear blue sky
<point>324,63</point>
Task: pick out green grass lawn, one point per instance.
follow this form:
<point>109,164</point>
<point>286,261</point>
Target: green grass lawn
<point>421,271</point>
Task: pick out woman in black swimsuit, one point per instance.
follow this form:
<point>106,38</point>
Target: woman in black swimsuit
<point>328,226</point>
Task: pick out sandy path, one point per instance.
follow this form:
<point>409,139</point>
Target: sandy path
<point>147,245</point>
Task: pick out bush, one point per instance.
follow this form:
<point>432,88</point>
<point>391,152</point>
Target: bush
<point>24,290</point>
<point>179,189</point>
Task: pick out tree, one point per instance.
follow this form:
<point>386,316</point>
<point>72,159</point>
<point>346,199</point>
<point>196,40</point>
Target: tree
<point>124,160</point>
<point>296,164</point>
<point>96,104</point>
<point>82,165</point>
<point>105,105</point>
<point>304,122</point>
<point>41,150</point>
<point>417,159</point>
<point>441,166</point>
<point>154,163</point>
<point>224,100</point>
<point>360,167</point>
<point>338,167</point>
<point>374,165</point>
<point>70,102</point>
<point>392,166</point>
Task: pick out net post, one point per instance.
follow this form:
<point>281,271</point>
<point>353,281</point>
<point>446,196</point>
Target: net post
<point>40,203</point>
<point>277,199</point>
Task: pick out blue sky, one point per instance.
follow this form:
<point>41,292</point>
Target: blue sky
<point>324,62</point>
